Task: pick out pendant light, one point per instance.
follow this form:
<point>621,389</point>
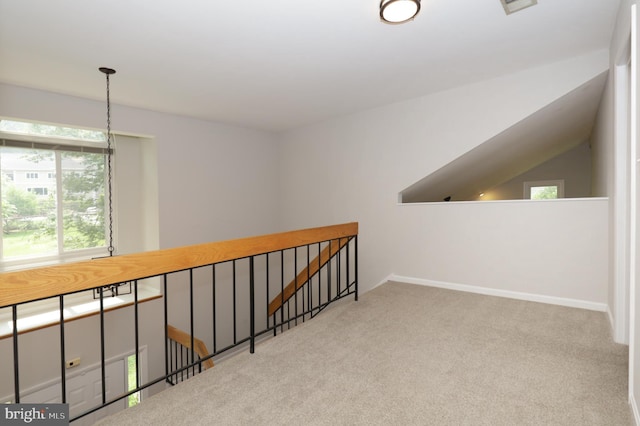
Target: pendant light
<point>115,289</point>
<point>107,72</point>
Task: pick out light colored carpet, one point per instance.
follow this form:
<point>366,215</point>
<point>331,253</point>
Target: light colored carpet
<point>413,355</point>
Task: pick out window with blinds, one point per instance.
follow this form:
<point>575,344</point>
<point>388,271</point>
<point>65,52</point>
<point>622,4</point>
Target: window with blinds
<point>52,187</point>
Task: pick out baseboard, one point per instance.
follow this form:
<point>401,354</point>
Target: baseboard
<point>552,300</point>
<point>390,277</point>
<point>634,410</point>
<point>612,323</point>
<point>241,348</point>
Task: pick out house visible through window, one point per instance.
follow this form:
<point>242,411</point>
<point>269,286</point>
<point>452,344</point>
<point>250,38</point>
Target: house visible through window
<point>59,215</point>
<point>544,190</point>
<point>39,191</point>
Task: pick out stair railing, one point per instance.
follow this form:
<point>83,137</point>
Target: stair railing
<point>180,344</point>
<point>226,293</point>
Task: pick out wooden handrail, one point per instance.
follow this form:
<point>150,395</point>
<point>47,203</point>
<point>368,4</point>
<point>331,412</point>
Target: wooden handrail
<point>184,339</point>
<point>41,283</point>
<point>309,271</point>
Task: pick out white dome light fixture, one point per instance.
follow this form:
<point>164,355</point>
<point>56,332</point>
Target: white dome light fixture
<point>398,11</point>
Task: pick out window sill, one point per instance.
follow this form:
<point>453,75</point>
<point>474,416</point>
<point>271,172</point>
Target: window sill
<point>46,313</point>
<point>17,264</point>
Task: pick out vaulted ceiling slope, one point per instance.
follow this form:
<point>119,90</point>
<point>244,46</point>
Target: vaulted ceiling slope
<point>282,64</point>
<point>550,131</point>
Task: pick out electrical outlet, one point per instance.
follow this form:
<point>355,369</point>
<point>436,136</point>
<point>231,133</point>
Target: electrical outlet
<point>73,363</point>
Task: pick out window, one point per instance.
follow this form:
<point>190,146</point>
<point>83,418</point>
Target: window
<point>68,222</point>
<point>51,131</point>
<point>65,212</point>
<point>39,191</point>
<point>134,398</point>
<point>544,190</point>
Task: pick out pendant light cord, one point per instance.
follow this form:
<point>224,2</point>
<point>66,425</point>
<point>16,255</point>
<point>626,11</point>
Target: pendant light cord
<point>111,248</point>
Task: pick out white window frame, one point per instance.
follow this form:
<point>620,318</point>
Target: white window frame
<point>44,313</point>
<point>559,183</point>
<point>62,255</point>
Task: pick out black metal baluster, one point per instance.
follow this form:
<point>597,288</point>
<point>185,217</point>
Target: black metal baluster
<point>329,273</point>
<point>309,286</point>
<point>174,361</point>
<point>235,326</point>
<point>191,313</point>
<point>281,291</point>
<point>16,368</point>
<point>295,281</point>
<point>356,265</point>
<point>182,349</point>
<point>305,293</point>
<point>252,305</point>
<point>269,296</point>
<point>347,247</point>
<point>169,351</point>
<point>102,356</point>
<point>338,272</point>
<point>63,375</point>
<point>137,332</point>
<point>213,274</point>
<point>288,306</point>
<point>167,346</point>
<point>319,276</point>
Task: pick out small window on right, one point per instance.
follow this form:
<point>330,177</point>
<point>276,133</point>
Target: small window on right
<point>544,189</point>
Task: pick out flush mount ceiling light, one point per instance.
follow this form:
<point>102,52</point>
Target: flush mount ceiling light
<point>398,11</point>
<point>511,6</point>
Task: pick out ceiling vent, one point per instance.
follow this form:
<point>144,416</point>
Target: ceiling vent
<point>511,6</point>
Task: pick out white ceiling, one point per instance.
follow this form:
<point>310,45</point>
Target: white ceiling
<point>282,64</point>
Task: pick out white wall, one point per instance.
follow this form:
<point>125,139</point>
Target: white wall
<point>602,145</point>
<point>602,178</point>
<point>352,168</point>
<point>220,180</point>
<point>554,249</point>
<point>135,201</point>
<point>573,166</point>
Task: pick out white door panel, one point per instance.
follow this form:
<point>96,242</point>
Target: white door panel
<point>84,391</point>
